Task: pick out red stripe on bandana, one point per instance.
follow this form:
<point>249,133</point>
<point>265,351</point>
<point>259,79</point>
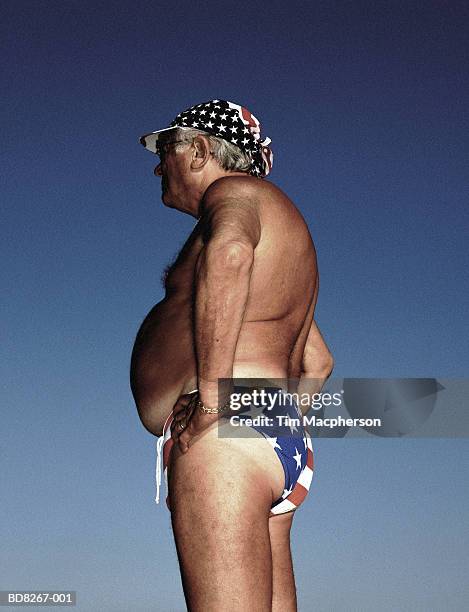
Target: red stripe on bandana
<point>251,121</point>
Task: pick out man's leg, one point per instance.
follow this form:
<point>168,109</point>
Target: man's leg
<point>221,492</point>
<point>283,588</point>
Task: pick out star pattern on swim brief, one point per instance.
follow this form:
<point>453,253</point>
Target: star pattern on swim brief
<point>255,411</point>
<point>272,441</point>
<point>292,427</point>
<point>297,458</point>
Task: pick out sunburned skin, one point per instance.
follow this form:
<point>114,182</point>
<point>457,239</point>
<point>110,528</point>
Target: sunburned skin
<point>278,315</point>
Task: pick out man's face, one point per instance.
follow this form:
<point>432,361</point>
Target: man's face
<point>174,170</point>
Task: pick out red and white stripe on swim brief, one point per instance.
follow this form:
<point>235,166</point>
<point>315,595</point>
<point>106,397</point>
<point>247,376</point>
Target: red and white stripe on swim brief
<point>301,488</point>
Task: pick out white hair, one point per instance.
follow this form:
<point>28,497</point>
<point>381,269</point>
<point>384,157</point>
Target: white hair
<point>228,155</point>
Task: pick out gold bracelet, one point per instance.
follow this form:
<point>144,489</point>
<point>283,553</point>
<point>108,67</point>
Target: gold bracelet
<point>206,410</point>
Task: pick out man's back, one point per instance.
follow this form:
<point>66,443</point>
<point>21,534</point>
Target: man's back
<point>282,284</point>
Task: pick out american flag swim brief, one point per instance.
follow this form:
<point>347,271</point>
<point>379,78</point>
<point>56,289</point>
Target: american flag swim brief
<point>283,429</point>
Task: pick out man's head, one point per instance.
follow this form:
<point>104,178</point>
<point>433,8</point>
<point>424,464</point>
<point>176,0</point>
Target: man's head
<point>203,143</point>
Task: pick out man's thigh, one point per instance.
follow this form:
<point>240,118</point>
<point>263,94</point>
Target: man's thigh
<point>220,494</point>
<point>283,581</point>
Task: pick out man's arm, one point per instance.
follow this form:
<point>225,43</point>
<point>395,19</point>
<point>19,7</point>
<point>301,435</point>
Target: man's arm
<point>222,280</point>
<point>222,283</point>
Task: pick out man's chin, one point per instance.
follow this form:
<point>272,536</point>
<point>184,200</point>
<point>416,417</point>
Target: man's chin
<point>167,203</point>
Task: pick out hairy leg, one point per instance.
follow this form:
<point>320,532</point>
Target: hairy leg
<point>283,581</point>
<point>220,495</point>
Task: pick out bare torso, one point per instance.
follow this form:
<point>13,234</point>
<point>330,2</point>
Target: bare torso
<point>278,316</point>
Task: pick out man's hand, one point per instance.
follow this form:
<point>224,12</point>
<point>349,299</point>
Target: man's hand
<point>189,421</point>
<point>317,364</point>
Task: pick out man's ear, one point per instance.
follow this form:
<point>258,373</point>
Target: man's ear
<point>201,153</point>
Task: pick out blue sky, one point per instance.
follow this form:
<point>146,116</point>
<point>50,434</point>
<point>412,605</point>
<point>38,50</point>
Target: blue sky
<point>366,105</point>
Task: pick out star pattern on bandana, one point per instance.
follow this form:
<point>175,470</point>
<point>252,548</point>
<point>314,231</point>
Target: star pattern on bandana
<point>234,124</point>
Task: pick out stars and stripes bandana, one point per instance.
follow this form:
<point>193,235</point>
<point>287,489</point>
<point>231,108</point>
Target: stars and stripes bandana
<point>226,120</point>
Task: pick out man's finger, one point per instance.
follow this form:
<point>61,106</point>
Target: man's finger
<point>179,407</point>
<point>184,439</point>
<point>180,416</point>
<point>185,400</point>
<point>174,433</point>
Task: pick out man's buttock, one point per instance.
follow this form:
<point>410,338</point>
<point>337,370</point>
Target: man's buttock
<point>272,436</point>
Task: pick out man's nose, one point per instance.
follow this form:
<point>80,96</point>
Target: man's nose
<point>157,170</point>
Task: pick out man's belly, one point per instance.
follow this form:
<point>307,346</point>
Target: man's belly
<point>163,363</point>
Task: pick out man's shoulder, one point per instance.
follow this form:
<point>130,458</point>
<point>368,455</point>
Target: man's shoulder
<point>258,199</point>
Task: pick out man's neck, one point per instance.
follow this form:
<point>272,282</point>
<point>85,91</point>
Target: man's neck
<point>211,178</point>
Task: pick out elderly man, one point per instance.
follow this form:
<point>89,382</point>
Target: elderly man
<point>239,302</point>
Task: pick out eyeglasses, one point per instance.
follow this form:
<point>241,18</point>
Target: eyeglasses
<point>162,149</point>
